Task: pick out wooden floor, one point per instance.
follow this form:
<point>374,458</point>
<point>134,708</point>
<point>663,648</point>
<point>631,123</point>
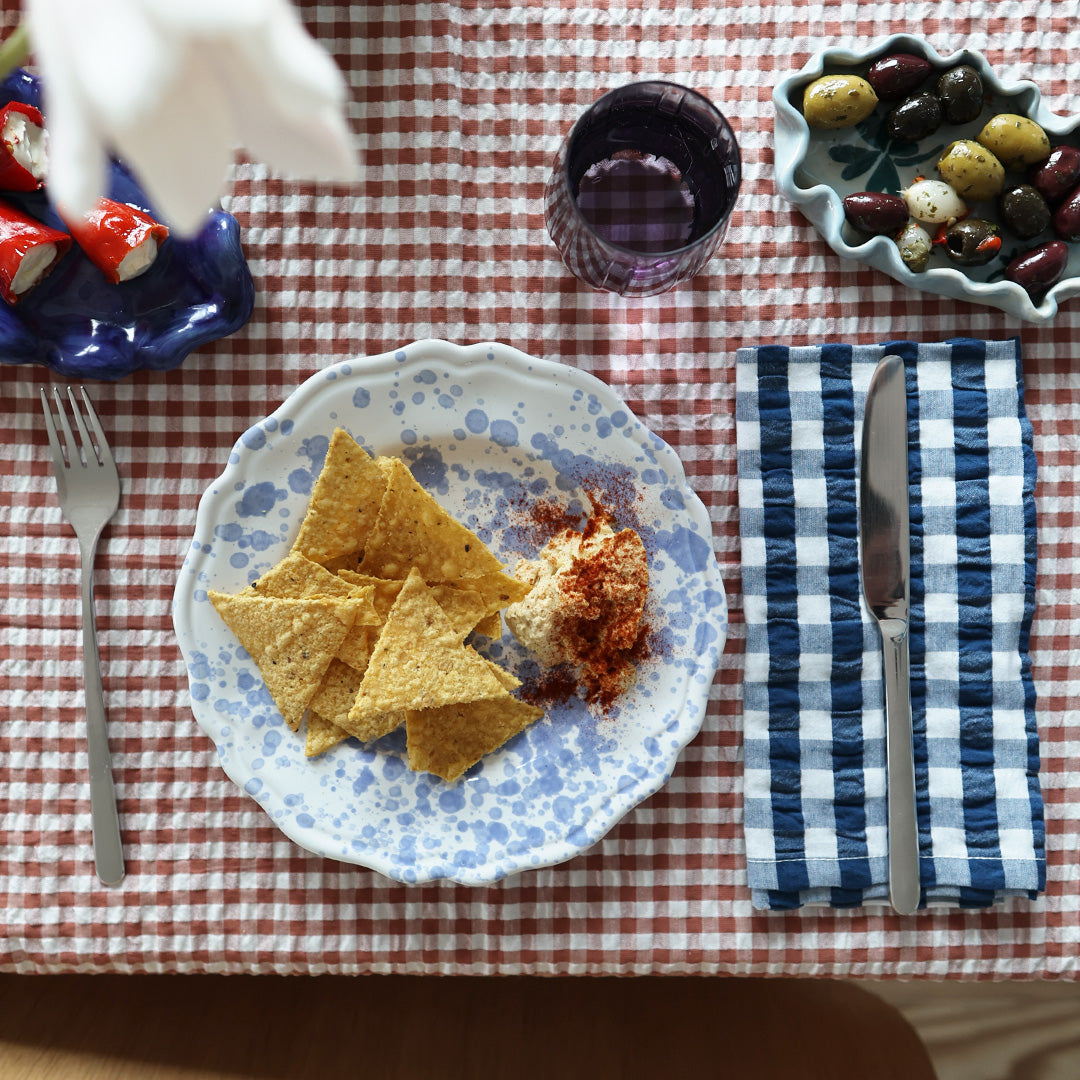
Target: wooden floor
<point>400,1028</point>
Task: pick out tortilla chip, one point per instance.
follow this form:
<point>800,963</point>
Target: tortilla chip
<point>498,589</point>
<point>464,607</point>
<point>300,577</point>
<point>448,740</point>
<point>419,662</point>
<point>330,707</point>
<point>490,626</point>
<point>507,679</point>
<point>413,530</point>
<point>344,504</point>
<point>321,734</point>
<point>292,641</point>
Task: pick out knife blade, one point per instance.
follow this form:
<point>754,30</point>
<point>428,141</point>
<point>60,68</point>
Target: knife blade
<point>884,534</point>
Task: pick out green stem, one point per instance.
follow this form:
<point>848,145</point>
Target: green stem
<point>14,50</point>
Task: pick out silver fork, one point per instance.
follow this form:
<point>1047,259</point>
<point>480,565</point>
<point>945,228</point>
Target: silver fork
<point>88,485</point>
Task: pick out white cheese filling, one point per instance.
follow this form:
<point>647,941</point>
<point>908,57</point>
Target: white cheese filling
<point>27,143</point>
<point>32,268</point>
<point>138,260</point>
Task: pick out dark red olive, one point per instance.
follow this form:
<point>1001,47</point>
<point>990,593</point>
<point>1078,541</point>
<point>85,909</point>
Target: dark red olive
<point>1066,219</point>
<point>1036,270</point>
<point>914,118</point>
<point>876,212</point>
<point>896,75</point>
<point>1058,174</point>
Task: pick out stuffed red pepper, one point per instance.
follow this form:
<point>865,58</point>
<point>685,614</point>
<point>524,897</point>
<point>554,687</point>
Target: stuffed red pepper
<point>28,251</point>
<point>23,156</point>
<point>120,240</point>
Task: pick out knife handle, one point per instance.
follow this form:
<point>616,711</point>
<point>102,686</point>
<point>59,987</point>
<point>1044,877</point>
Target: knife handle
<point>904,882</point>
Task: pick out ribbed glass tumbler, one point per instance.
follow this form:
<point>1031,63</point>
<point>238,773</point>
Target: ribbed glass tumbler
<point>642,188</point>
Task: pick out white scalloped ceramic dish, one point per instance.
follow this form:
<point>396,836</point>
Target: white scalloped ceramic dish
<point>816,169</point>
<point>491,433</point>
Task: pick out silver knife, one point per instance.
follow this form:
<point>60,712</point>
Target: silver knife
<point>885,563</point>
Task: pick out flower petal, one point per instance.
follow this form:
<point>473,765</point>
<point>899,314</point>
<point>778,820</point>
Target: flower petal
<point>182,153</point>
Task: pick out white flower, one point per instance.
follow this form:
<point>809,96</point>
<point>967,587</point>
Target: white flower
<point>174,88</point>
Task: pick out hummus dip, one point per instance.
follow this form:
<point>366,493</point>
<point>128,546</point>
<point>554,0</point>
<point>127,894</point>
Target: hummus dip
<point>585,605</point>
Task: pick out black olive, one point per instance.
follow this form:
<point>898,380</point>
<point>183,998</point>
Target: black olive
<point>1024,211</point>
<point>972,242</point>
<point>914,118</point>
<point>960,91</point>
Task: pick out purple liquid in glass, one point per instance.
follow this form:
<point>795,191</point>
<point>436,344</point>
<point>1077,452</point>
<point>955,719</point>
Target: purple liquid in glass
<point>642,188</point>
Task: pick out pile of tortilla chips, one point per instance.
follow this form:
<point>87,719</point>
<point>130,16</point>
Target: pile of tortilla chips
<point>362,626</point>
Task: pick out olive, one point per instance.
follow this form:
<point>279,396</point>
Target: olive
<point>1058,174</point>
<point>838,101</point>
<point>914,118</point>
<point>898,74</point>
<point>1016,141</point>
<point>972,170</point>
<point>1066,219</point>
<point>914,243</point>
<point>960,91</point>
<point>1024,211</point>
<point>1036,270</point>
<point>972,242</point>
<point>875,212</point>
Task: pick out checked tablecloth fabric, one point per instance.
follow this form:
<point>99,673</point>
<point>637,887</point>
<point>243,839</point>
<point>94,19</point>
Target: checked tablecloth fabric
<point>458,109</point>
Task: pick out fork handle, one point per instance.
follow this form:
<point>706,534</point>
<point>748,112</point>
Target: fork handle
<point>104,819</point>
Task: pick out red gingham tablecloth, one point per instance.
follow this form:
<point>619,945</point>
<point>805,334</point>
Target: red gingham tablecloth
<point>458,109</point>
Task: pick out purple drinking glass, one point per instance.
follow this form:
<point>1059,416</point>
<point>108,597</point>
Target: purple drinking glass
<point>642,188</point>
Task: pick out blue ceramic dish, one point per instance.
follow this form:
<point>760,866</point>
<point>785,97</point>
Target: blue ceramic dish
<point>816,169</point>
<point>492,433</point>
<point>83,327</point>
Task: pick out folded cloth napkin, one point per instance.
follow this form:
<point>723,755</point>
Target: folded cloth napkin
<point>815,792</point>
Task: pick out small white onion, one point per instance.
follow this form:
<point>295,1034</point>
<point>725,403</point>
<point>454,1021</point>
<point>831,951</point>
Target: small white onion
<point>934,202</point>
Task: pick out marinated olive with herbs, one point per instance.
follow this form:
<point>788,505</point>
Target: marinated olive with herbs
<point>960,91</point>
<point>1058,174</point>
<point>838,101</point>
<point>972,242</point>
<point>914,243</point>
<point>1024,211</point>
<point>875,212</point>
<point>914,118</point>
<point>1016,141</point>
<point>1038,269</point>
<point>898,74</point>
<point>971,170</point>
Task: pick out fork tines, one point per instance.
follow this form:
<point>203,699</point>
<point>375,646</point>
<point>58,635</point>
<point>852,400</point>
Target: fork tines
<point>67,454</point>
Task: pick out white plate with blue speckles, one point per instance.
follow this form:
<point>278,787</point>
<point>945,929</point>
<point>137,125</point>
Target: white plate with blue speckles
<point>490,432</point>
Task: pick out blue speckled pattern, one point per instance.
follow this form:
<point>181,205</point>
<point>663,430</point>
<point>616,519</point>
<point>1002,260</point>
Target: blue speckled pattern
<point>83,327</point>
<point>489,431</point>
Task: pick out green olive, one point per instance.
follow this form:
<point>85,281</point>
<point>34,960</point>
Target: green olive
<point>971,170</point>
<point>838,101</point>
<point>1017,141</point>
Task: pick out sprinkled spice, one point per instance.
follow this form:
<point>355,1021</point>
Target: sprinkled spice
<point>584,615</point>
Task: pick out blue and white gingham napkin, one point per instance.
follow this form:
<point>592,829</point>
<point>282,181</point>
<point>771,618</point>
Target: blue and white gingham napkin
<point>813,712</point>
